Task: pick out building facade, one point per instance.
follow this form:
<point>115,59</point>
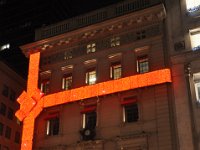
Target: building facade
<point>11,86</point>
<point>119,57</point>
<point>183,37</point>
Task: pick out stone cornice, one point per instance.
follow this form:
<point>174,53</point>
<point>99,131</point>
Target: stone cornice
<point>140,18</point>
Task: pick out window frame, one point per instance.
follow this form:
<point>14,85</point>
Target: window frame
<point>140,61</point>
<point>10,113</point>
<point>45,86</point>
<point>88,75</point>
<point>115,41</point>
<point>2,129</point>
<point>87,120</point>
<point>51,125</point>
<point>17,137</point>
<point>8,132</point>
<point>91,48</point>
<point>67,81</point>
<point>114,67</point>
<point>3,109</point>
<point>5,90</point>
<point>194,39</point>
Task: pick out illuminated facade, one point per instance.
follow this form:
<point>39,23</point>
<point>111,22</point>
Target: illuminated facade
<point>105,82</point>
<point>11,86</point>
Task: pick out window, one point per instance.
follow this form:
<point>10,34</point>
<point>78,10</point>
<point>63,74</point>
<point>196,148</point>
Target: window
<point>91,48</point>
<point>89,120</point>
<point>115,71</point>
<point>131,113</point>
<point>44,87</point>
<point>194,37</point>
<point>5,90</point>
<point>67,55</point>
<point>90,77</point>
<point>1,128</point>
<point>3,109</point>
<point>197,91</point>
<point>142,64</point>
<point>8,132</point>
<point>12,95</point>
<point>193,5</point>
<point>67,82</point>
<point>10,113</point>
<point>141,35</point>
<point>52,126</point>
<point>115,41</point>
<point>17,137</point>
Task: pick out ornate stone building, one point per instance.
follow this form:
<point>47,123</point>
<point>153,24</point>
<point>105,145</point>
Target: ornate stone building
<point>106,80</point>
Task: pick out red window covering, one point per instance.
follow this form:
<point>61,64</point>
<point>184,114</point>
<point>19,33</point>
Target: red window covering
<point>88,109</point>
<point>129,101</point>
<point>52,115</point>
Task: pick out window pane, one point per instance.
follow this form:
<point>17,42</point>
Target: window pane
<point>131,113</point>
<point>192,3</point>
<point>44,87</point>
<point>53,126</point>
<point>67,83</point>
<point>5,90</point>
<point>10,113</point>
<point>91,77</point>
<point>142,64</point>
<point>17,137</point>
<point>8,132</point>
<point>12,95</point>
<point>195,42</point>
<point>1,128</point>
<point>90,120</point>
<point>3,109</point>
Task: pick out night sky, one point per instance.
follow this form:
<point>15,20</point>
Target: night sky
<point>20,18</point>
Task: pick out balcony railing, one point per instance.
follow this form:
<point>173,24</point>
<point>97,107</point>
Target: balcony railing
<point>94,17</point>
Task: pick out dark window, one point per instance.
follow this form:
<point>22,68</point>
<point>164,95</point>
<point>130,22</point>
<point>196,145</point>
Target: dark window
<point>1,128</point>
<point>8,132</point>
<point>17,137</point>
<point>44,87</point>
<point>53,126</point>
<point>142,64</point>
<point>5,90</point>
<point>12,95</point>
<point>3,109</point>
<point>10,113</point>
<point>115,71</point>
<point>67,82</point>
<point>141,35</point>
<point>90,120</point>
<point>131,112</point>
<point>91,48</point>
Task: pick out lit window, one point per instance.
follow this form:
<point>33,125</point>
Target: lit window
<point>4,47</point>
<point>53,126</point>
<point>115,41</point>
<point>67,82</point>
<point>115,71</point>
<point>3,109</point>
<point>44,86</point>
<point>90,77</point>
<point>142,64</point>
<point>1,128</point>
<point>67,55</point>
<point>8,132</point>
<point>195,39</point>
<point>197,91</point>
<point>91,48</point>
<point>193,5</point>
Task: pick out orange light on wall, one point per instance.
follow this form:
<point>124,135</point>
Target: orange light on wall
<point>33,102</point>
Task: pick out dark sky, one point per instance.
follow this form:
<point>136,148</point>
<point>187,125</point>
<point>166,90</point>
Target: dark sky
<point>20,18</point>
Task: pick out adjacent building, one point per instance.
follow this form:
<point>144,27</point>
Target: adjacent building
<point>183,28</point>
<point>11,85</point>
